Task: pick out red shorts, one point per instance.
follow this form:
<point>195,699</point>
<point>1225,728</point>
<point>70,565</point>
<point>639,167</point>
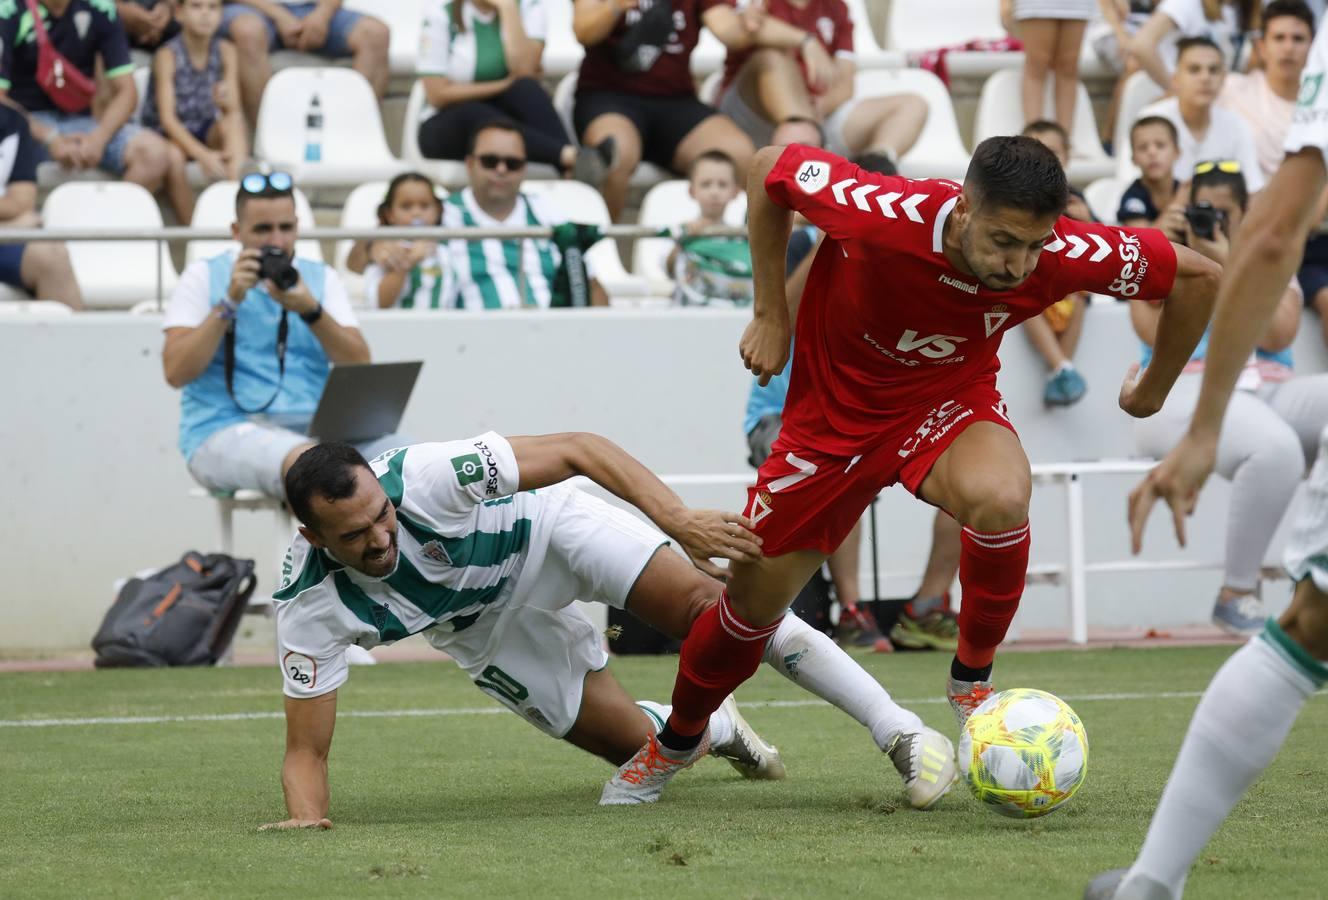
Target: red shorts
<point>805,500</point>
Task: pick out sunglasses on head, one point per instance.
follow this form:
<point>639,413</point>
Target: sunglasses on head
<point>1230,166</point>
<point>491,161</point>
<point>260,183</point>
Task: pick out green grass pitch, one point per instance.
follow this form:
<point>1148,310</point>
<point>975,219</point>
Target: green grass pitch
<point>477,805</point>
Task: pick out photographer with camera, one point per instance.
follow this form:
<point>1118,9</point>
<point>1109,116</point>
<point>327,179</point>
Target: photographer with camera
<point>249,338</point>
<point>1271,430</point>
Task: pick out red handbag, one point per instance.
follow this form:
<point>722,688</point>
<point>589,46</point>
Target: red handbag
<point>59,79</point>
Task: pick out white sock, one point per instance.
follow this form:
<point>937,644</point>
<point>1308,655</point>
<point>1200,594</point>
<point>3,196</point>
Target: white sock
<point>1240,724</point>
<point>808,658</point>
<point>721,726</point>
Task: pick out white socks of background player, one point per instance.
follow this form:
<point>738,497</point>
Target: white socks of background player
<point>815,663</point>
<point>1240,724</point>
<point>721,726</point>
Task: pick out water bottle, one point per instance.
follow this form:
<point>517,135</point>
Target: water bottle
<point>313,132</point>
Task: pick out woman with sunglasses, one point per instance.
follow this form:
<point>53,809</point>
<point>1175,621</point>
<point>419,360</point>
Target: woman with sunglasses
<point>480,62</point>
<point>1272,426</point>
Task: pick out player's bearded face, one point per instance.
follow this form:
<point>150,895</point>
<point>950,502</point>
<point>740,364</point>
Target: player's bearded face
<point>1001,247</point>
<point>360,530</point>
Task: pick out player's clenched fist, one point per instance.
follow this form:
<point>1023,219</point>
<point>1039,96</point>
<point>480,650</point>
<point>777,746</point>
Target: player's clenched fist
<point>765,347</point>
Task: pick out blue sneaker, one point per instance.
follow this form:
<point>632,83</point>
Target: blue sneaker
<point>1066,388</point>
<point>1242,616</point>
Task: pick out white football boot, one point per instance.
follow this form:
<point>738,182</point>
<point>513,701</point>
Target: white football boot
<point>643,777</point>
<point>747,751</point>
<point>926,761</point>
<point>966,696</point>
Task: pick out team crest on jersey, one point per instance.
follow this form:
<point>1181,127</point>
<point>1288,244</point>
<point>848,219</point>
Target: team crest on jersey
<point>813,175</point>
<point>762,505</point>
<point>995,318</point>
<point>434,551</point>
<point>1309,89</point>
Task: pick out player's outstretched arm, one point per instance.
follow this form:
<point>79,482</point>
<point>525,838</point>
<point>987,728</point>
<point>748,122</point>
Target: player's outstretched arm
<point>1185,315</point>
<point>704,534</point>
<point>765,342</point>
<point>309,725</point>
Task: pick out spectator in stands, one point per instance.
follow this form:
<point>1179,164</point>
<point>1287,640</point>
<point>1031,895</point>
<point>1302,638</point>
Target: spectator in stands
<point>408,274</point>
<point>260,27</point>
<point>1266,97</point>
<point>1156,47</point>
<point>710,271</point>
<point>1206,131</point>
<point>1271,430</point>
<point>764,86</point>
<point>1109,35</point>
<point>147,23</point>
<point>1156,199</point>
<point>635,85</point>
<point>1052,32</point>
<point>494,273</point>
<point>480,63</point>
<point>194,93</point>
<point>82,31</point>
<point>42,267</point>
<point>252,357</point>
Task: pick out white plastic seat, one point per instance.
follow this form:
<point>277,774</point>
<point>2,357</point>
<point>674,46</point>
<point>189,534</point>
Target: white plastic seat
<point>1000,111</point>
<point>1139,91</point>
<point>583,204</point>
<point>354,146</point>
<point>404,18</point>
<point>215,210</point>
<point>939,151</point>
<point>14,302</point>
<point>930,24</point>
<point>866,48</point>
<point>668,204</point>
<point>562,51</point>
<point>564,98</point>
<point>112,274</point>
<point>1104,197</point>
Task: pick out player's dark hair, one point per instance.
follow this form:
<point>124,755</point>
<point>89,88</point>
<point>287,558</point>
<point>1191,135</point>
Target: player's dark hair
<point>1017,172</point>
<point>1215,177</point>
<point>1292,9</point>
<point>324,470</point>
<point>1161,122</point>
<point>494,125</point>
<point>1198,40</point>
<point>714,156</point>
<point>877,162</point>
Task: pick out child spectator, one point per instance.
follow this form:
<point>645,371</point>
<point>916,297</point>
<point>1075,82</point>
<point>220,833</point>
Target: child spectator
<point>1155,199</point>
<point>407,274</point>
<point>1055,333</point>
<point>194,92</point>
<point>711,270</point>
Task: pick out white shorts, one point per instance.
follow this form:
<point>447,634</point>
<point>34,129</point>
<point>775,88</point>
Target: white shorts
<point>1309,122</point>
<point>759,129</point>
<point>533,654</point>
<point>1306,554</point>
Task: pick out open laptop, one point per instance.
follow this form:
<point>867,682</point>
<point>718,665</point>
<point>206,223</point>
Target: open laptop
<point>364,402</point>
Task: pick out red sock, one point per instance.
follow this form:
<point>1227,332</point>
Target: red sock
<point>720,653</point>
<point>992,569</point>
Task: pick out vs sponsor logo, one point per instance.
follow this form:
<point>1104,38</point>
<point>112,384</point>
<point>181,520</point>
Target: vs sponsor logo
<point>932,346</point>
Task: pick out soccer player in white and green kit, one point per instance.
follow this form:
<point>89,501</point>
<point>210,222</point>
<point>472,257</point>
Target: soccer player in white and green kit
<point>477,545</point>
<point>1254,699</point>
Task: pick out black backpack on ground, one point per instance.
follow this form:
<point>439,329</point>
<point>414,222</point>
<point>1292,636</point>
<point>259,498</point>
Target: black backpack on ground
<point>184,615</point>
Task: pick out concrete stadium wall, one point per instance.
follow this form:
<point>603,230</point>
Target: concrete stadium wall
<point>95,488</point>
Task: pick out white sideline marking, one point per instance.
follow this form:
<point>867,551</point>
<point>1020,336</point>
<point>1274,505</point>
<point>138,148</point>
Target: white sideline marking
<point>495,710</point>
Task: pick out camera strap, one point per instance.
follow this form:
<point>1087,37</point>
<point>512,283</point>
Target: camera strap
<point>283,332</point>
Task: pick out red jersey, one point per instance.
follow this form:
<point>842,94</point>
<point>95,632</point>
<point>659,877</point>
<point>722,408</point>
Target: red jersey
<point>886,324</point>
<point>827,19</point>
<point>670,76</point>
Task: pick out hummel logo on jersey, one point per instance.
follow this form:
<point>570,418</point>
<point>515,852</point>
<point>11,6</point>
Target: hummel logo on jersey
<point>813,176</point>
<point>862,195</point>
<point>959,285</point>
<point>469,468</point>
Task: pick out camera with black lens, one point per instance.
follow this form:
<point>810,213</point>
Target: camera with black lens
<point>276,266</point>
<point>1204,218</point>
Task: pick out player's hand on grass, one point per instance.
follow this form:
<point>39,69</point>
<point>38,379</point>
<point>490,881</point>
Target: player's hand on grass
<point>323,824</point>
<point>1133,400</point>
<point>765,347</point>
<point>706,534</point>
<point>1176,480</point>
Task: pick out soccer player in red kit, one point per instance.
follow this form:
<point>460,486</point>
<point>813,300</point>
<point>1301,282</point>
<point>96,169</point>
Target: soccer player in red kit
<point>894,380</point>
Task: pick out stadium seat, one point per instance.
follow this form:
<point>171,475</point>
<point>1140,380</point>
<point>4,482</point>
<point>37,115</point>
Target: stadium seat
<point>668,204</point>
<point>450,173</point>
<point>14,303</point>
<point>564,97</point>
<point>112,274</point>
<point>354,147</point>
<point>939,152</point>
<point>914,25</point>
<point>865,46</point>
<point>215,210</point>
<point>1103,198</point>
<point>583,204</point>
<point>404,18</point>
<point>562,51</point>
<point>1139,91</point>
<point>1000,111</point>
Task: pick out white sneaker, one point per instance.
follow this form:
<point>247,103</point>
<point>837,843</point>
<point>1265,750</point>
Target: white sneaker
<point>966,696</point>
<point>643,777</point>
<point>747,751</point>
<point>926,761</point>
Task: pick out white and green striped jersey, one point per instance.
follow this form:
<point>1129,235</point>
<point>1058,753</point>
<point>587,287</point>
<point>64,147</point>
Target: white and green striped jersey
<point>427,286</point>
<point>487,274</point>
<point>464,536</point>
<point>475,52</point>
